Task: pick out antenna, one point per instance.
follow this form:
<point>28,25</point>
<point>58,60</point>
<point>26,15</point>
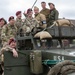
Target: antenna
<point>34,4</point>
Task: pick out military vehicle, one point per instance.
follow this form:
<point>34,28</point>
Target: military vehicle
<point>37,59</point>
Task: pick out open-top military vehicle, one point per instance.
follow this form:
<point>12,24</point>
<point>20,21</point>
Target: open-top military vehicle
<point>36,59</point>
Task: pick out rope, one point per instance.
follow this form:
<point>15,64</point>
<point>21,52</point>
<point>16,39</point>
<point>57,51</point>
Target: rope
<point>62,68</point>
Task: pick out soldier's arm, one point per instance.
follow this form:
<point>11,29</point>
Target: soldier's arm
<point>36,23</point>
<point>3,33</point>
<point>6,48</point>
<point>27,22</point>
<point>16,29</point>
<point>43,20</point>
<point>13,50</point>
<point>56,15</point>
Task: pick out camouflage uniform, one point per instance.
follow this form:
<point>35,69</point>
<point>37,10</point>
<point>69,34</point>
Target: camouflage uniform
<point>8,31</point>
<point>41,20</point>
<point>53,16</point>
<point>0,37</point>
<point>46,12</point>
<point>18,23</point>
<point>29,24</point>
<point>5,48</point>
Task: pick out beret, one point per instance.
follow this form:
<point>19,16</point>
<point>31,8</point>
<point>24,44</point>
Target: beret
<point>29,10</point>
<point>11,17</point>
<point>18,12</point>
<point>1,19</point>
<point>11,40</point>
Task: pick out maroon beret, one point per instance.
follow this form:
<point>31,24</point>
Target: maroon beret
<point>18,12</point>
<point>1,19</point>
<point>11,17</point>
<point>29,10</point>
<point>11,40</point>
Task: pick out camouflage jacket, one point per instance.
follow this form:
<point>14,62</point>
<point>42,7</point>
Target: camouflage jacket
<point>0,32</point>
<point>3,49</point>
<point>31,23</point>
<point>41,20</point>
<point>8,32</point>
<point>18,23</point>
<point>6,48</point>
<point>46,12</point>
<point>0,37</point>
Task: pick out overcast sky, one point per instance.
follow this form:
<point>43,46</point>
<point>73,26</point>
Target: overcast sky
<point>8,8</point>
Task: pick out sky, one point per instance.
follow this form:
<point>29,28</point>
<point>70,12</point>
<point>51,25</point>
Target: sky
<point>8,8</point>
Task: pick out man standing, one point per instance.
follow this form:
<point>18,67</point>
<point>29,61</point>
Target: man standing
<point>44,10</point>
<point>8,31</point>
<point>18,21</point>
<point>2,23</point>
<point>53,14</point>
<point>40,18</point>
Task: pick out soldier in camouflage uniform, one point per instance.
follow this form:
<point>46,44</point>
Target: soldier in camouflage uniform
<point>18,21</point>
<point>2,23</point>
<point>40,18</point>
<point>53,14</point>
<point>45,10</point>
<point>29,22</point>
<point>10,47</point>
<point>8,31</point>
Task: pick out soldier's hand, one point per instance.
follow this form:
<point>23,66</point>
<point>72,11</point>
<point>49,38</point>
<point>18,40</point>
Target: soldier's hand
<point>15,54</point>
<point>25,14</point>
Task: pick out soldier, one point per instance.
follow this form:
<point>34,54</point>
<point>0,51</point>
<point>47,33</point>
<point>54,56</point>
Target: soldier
<point>52,17</point>
<point>45,10</point>
<point>40,18</point>
<point>10,47</point>
<point>29,22</point>
<point>53,14</point>
<point>8,31</point>
<point>18,21</point>
<point>2,23</point>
